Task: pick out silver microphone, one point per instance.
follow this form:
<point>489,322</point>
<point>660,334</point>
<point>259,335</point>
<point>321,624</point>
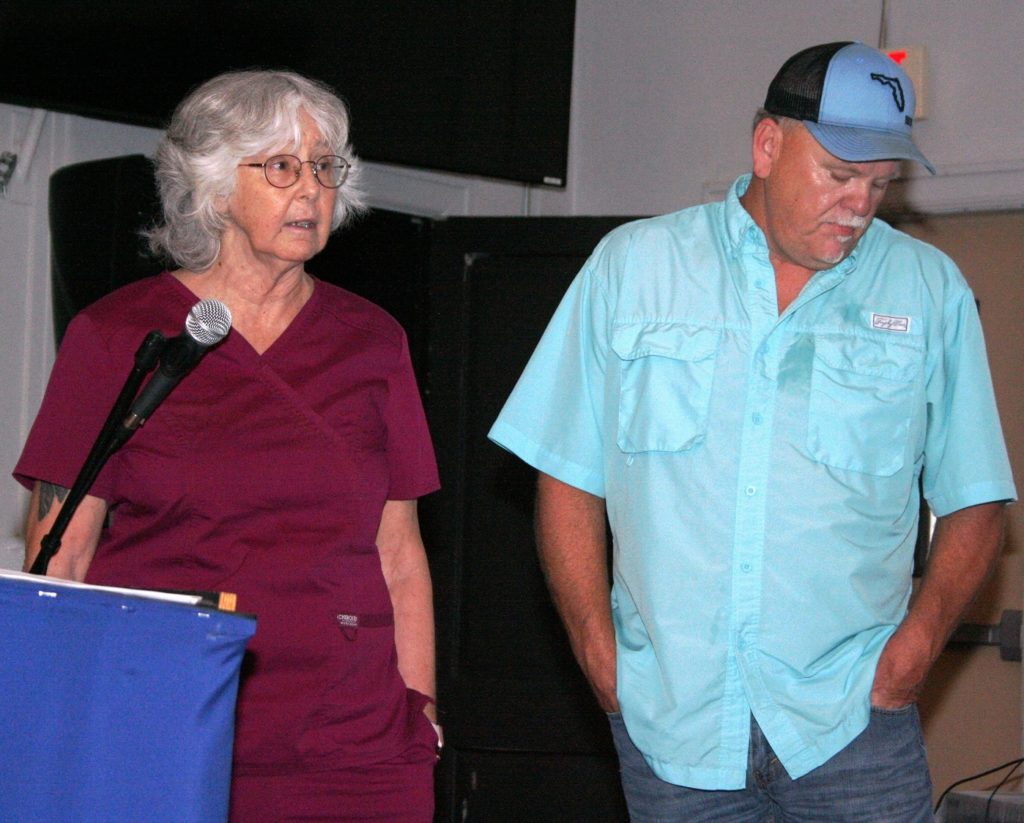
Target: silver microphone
<point>208,322</point>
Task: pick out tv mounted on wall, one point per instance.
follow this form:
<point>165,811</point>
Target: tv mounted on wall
<point>472,86</point>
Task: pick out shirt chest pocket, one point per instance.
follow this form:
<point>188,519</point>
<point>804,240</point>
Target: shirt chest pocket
<point>862,403</point>
<point>667,370</point>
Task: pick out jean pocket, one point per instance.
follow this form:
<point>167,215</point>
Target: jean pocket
<point>667,373</point>
<point>862,403</point>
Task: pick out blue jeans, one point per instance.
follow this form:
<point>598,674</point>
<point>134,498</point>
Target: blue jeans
<point>880,776</point>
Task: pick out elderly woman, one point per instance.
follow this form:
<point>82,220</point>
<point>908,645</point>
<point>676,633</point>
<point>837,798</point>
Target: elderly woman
<point>284,469</point>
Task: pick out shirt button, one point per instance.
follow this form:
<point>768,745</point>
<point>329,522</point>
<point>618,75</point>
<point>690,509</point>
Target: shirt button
<point>751,491</point>
<point>745,568</point>
<point>757,418</point>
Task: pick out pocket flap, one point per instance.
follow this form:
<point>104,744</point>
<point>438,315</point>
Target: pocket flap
<point>887,359</point>
<point>679,341</point>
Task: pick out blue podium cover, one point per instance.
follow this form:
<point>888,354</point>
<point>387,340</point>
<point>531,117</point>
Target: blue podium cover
<point>115,707</point>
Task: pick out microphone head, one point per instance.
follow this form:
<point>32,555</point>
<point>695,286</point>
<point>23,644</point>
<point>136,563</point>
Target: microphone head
<point>208,322</point>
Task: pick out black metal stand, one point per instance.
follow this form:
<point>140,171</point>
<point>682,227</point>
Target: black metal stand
<point>1006,635</point>
<point>112,436</point>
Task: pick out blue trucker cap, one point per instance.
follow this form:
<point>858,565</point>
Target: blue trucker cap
<point>855,101</point>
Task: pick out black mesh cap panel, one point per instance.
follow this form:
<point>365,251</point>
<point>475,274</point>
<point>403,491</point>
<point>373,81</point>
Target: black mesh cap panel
<point>796,90</point>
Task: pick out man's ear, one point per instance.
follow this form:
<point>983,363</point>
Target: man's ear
<point>766,146</point>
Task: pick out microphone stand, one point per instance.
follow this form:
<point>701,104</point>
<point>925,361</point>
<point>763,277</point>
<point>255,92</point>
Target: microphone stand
<point>112,436</point>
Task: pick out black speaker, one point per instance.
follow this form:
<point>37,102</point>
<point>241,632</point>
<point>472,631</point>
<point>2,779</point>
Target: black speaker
<point>97,210</point>
<point>527,740</point>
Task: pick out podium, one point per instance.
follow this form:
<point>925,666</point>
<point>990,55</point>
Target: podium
<point>114,706</point>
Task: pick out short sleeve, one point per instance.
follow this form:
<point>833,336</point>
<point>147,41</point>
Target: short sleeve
<point>554,418</point>
<point>966,463</point>
<point>82,389</point>
<point>411,462</point>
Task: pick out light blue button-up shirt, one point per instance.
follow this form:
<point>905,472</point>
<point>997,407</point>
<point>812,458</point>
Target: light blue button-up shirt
<point>760,471</point>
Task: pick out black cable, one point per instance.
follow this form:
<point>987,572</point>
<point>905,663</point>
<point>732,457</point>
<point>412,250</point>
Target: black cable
<point>960,782</point>
<point>999,785</point>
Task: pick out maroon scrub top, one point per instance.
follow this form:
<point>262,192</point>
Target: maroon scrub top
<point>263,475</point>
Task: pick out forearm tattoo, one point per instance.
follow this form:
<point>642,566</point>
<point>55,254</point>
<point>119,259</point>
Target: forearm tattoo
<point>48,492</point>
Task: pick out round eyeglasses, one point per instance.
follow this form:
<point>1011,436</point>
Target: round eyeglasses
<point>284,170</point>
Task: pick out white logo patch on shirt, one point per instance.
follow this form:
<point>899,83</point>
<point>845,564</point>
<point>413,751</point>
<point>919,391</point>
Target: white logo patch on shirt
<point>887,322</point>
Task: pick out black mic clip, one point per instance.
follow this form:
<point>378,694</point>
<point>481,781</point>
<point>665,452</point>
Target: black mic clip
<point>207,324</point>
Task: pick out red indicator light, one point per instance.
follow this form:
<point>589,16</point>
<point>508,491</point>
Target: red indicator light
<point>898,56</point>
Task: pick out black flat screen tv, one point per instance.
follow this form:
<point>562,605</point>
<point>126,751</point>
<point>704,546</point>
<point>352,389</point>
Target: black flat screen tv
<point>473,86</point>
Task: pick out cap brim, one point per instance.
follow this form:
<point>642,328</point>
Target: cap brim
<point>860,145</point>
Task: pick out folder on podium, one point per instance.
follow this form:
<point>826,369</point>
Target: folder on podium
<point>115,705</point>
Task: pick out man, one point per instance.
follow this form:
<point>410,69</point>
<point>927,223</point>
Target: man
<point>752,389</point>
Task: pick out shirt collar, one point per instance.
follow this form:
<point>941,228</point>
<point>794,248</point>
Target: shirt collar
<point>742,230</point>
<point>738,222</point>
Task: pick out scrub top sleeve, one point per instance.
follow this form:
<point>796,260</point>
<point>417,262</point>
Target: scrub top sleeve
<point>411,463</point>
<point>554,418</point>
<point>966,463</point>
<point>80,394</point>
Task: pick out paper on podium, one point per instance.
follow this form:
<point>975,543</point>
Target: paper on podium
<point>46,582</point>
<point>116,705</point>
<point>219,600</point>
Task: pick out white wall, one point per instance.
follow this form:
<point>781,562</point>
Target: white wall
<point>664,91</point>
<point>667,91</point>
